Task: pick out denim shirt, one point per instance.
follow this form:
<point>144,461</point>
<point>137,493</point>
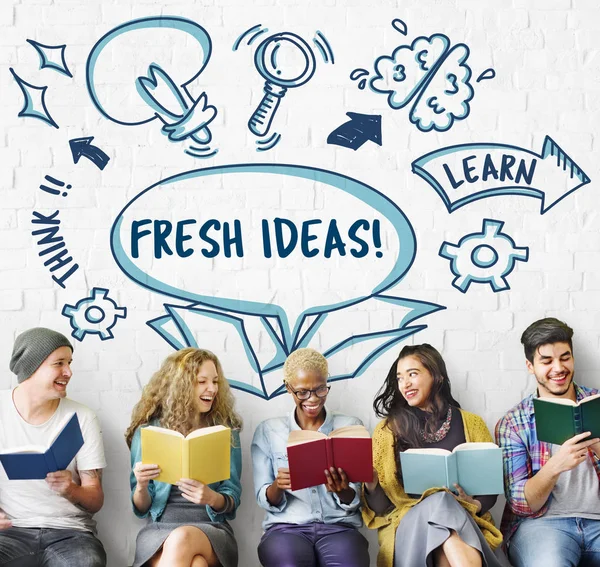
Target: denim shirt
<point>316,504</point>
<point>159,491</point>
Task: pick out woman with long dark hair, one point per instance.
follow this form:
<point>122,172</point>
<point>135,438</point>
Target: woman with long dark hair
<point>437,528</point>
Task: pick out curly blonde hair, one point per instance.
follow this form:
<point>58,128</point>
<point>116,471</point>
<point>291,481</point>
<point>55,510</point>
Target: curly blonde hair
<point>169,396</point>
<point>304,359</point>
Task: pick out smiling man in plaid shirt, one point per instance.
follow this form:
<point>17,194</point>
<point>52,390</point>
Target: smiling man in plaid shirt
<point>552,514</point>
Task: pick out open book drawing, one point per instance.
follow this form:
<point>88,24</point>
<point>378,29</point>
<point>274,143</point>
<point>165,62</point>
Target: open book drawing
<point>203,455</point>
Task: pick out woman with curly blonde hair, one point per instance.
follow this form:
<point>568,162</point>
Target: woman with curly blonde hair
<point>189,525</point>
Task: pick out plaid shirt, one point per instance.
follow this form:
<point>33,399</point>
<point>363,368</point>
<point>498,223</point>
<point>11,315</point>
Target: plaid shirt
<point>523,456</point>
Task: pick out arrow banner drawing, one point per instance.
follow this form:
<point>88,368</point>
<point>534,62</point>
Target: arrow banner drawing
<point>468,172</point>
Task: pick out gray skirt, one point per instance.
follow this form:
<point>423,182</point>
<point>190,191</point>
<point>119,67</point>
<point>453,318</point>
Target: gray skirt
<point>427,525</point>
<point>180,512</point>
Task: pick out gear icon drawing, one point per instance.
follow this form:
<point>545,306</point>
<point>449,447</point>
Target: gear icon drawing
<point>484,257</point>
<point>94,315</point>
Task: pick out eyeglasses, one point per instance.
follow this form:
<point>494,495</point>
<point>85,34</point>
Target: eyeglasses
<point>321,392</point>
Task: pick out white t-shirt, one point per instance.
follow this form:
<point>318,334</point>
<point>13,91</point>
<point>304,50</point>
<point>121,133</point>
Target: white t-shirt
<point>31,503</point>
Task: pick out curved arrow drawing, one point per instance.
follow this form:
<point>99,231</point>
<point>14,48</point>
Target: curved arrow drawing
<point>468,172</point>
<point>82,147</point>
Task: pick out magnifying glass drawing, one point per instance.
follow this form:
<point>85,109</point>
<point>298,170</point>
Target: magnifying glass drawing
<point>285,61</point>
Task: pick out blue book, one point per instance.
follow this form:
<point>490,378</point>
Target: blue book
<point>475,467</point>
<point>34,463</point>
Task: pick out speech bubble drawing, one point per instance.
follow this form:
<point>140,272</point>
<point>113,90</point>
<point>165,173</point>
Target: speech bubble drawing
<point>177,238</point>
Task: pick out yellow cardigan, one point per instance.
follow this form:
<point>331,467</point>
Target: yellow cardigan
<point>385,464</point>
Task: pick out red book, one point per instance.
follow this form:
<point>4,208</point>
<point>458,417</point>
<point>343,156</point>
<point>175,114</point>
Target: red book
<point>311,452</point>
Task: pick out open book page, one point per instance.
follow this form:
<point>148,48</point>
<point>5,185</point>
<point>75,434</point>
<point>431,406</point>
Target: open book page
<point>163,431</point>
<point>206,457</point>
<point>34,463</point>
<point>479,468</point>
<point>161,447</point>
<point>298,436</point>
<point>423,469</point>
<point>359,431</point>
<point>568,402</point>
<point>481,446</point>
<point>203,431</point>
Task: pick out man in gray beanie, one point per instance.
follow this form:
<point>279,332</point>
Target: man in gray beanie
<point>48,522</point>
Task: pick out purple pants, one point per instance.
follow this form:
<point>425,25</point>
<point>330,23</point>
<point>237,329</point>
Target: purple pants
<point>313,545</point>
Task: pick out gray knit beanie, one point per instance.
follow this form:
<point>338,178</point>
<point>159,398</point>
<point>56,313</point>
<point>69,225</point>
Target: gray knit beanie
<point>32,347</point>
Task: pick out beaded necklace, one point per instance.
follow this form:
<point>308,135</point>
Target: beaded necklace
<point>440,433</point>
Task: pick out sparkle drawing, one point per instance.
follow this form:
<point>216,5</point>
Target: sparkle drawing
<point>34,105</point>
<point>51,57</point>
<point>160,94</point>
<point>429,75</point>
<point>94,315</point>
<point>484,257</point>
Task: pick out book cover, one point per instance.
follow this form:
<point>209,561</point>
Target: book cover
<point>476,467</point>
<point>559,419</point>
<point>311,452</point>
<point>203,455</point>
<point>34,463</point>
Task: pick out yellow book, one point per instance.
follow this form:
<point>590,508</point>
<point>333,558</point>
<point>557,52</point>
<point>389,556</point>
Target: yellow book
<point>203,455</point>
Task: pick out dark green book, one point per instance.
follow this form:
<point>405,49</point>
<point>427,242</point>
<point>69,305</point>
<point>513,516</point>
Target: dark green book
<point>559,419</point>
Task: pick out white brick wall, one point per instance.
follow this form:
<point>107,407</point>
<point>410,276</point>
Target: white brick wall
<point>546,57</point>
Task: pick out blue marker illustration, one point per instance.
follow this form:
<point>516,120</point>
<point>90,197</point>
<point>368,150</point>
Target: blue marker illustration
<point>272,320</point>
<point>51,57</point>
<point>94,315</point>
<point>429,75</point>
<point>34,101</point>
<point>185,117</point>
<point>466,173</point>
<point>285,61</point>
<point>484,257</point>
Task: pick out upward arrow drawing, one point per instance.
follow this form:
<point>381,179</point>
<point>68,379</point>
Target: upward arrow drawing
<point>82,147</point>
<point>358,130</point>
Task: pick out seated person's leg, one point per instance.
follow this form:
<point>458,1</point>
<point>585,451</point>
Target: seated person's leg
<point>186,545</point>
<point>289,546</point>
<point>18,547</point>
<point>65,548</point>
<point>341,546</point>
<point>545,542</point>
<point>591,543</point>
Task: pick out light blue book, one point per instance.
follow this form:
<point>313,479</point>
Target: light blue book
<point>475,467</point>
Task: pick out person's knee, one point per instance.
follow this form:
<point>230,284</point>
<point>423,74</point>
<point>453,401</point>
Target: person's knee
<point>274,551</point>
<point>536,555</point>
<point>182,539</point>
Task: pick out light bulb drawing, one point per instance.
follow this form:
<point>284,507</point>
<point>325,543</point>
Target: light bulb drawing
<point>285,61</point>
<point>166,94</point>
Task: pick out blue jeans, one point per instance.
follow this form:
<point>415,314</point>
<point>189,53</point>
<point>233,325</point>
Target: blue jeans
<point>45,547</point>
<point>556,542</point>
